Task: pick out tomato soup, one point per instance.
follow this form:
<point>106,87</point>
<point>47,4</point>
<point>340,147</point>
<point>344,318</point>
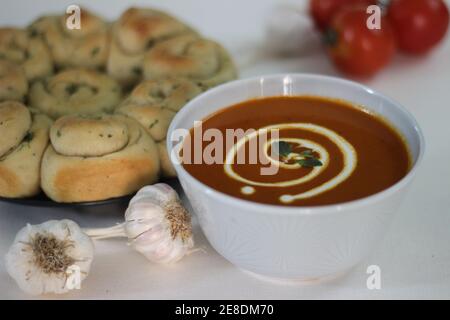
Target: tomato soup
<point>325,152</point>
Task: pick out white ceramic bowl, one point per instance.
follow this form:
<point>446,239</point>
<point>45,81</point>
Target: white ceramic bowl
<point>304,243</point>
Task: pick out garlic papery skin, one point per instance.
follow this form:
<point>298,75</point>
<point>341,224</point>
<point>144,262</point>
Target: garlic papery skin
<point>43,257</point>
<point>157,225</point>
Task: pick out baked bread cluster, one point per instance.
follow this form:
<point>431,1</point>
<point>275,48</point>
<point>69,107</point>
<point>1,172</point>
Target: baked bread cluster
<point>84,113</point>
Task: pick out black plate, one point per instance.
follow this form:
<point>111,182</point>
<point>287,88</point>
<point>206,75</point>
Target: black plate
<point>41,200</point>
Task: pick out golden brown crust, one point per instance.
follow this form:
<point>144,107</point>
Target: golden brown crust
<point>203,61</point>
<point>31,53</point>
<point>136,31</point>
<point>138,28</point>
<point>91,178</point>
<point>20,166</point>
<point>85,47</point>
<point>75,91</point>
<point>9,183</point>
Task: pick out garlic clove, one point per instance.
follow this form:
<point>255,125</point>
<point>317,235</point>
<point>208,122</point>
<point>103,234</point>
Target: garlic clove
<point>135,229</point>
<point>165,251</point>
<point>146,239</point>
<point>143,217</point>
<point>144,210</point>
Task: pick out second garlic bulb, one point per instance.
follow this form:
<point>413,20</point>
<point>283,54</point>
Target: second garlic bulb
<point>157,224</point>
<point>43,257</point>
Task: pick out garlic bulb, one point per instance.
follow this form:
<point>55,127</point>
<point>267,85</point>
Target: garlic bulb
<point>291,31</point>
<point>44,257</point>
<point>156,224</point>
<point>159,226</point>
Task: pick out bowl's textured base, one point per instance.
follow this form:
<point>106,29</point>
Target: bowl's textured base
<point>297,281</point>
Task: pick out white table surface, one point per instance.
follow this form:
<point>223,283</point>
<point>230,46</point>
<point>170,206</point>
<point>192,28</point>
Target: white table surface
<point>414,257</point>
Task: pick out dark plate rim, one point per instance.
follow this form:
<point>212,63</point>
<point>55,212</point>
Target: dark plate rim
<point>41,200</point>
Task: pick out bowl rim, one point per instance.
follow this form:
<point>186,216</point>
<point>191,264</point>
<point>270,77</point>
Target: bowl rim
<point>302,210</point>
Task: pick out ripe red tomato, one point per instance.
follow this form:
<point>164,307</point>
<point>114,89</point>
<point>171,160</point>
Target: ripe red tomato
<point>419,25</point>
<point>354,48</point>
<point>323,11</point>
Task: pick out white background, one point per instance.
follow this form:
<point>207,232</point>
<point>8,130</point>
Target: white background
<point>415,255</point>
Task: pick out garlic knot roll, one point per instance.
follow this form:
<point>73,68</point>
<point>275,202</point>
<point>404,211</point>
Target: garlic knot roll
<point>13,81</point>
<point>75,91</point>
<point>97,157</point>
<point>26,51</point>
<point>201,60</point>
<point>154,103</point>
<point>137,31</point>
<point>86,46</point>
<point>23,139</point>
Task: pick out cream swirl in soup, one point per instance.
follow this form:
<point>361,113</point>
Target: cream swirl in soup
<point>347,150</point>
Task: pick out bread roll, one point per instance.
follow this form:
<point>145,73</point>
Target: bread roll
<point>167,169</point>
<point>97,158</point>
<point>154,103</point>
<point>13,81</point>
<point>31,53</point>
<point>203,61</point>
<point>23,139</point>
<point>85,47</point>
<point>75,91</point>
<point>136,31</point>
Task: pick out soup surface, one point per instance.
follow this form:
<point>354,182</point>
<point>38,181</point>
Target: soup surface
<point>320,151</point>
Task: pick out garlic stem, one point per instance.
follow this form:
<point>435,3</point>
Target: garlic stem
<point>116,231</point>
